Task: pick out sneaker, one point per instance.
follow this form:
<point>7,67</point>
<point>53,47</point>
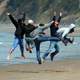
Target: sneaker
<point>42,59</point>
<point>39,61</point>
<point>51,57</point>
<point>72,39</point>
<point>66,42</point>
<point>27,48</point>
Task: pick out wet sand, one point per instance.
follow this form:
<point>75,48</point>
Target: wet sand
<point>68,69</point>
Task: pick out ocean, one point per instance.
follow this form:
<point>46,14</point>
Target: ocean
<point>6,42</point>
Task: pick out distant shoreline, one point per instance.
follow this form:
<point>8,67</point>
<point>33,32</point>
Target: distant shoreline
<point>10,28</point>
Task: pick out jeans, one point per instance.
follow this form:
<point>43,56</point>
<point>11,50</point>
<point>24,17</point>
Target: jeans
<point>64,39</point>
<point>41,39</point>
<point>18,40</point>
<point>30,42</point>
<point>53,44</point>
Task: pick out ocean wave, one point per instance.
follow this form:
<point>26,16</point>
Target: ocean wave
<point>5,43</point>
<point>75,43</point>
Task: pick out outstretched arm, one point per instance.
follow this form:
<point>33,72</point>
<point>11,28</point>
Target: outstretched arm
<point>46,26</point>
<point>23,18</point>
<point>54,18</point>
<point>12,19</point>
<point>59,18</point>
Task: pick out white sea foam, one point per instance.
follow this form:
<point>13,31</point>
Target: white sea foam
<point>5,43</point>
<point>75,43</point>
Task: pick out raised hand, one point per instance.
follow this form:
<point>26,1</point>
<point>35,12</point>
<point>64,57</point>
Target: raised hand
<point>23,12</point>
<point>60,14</point>
<point>44,32</point>
<point>54,13</point>
<point>52,22</point>
<point>8,13</point>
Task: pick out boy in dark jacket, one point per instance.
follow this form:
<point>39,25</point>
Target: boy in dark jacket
<point>17,40</point>
<point>53,44</point>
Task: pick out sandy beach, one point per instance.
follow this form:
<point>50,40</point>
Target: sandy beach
<point>67,69</point>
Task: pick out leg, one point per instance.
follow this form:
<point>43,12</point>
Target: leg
<point>16,41</point>
<point>29,41</point>
<point>66,40</point>
<point>27,44</point>
<point>51,46</point>
<point>21,47</point>
<point>45,38</point>
<point>37,45</point>
<point>70,40</point>
<point>32,44</point>
<point>22,54</point>
<point>9,54</point>
<point>37,50</point>
<point>56,51</point>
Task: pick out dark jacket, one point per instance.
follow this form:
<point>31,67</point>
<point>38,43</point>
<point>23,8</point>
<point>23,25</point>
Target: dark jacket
<point>17,25</point>
<point>27,30</point>
<point>53,29</point>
